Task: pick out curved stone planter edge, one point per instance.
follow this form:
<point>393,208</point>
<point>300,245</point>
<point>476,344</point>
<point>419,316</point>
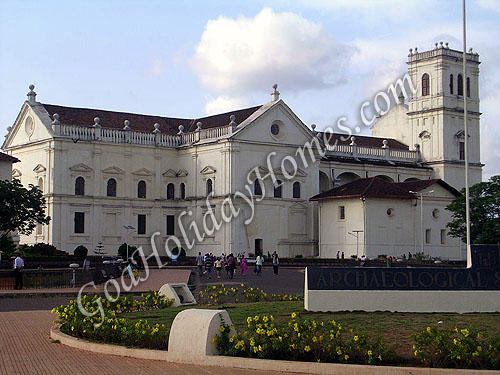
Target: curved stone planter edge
<point>253,363</point>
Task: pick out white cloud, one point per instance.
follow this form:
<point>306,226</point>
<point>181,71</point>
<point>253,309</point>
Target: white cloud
<point>156,68</point>
<point>493,5</point>
<point>235,56</point>
<point>223,103</point>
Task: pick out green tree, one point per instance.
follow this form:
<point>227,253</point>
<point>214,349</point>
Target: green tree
<point>7,245</point>
<point>484,213</point>
<point>122,250</point>
<point>20,208</point>
<point>80,252</point>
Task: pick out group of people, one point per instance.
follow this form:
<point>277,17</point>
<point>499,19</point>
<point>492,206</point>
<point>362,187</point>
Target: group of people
<point>208,262</point>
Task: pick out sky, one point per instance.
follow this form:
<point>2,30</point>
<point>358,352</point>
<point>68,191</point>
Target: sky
<point>193,58</point>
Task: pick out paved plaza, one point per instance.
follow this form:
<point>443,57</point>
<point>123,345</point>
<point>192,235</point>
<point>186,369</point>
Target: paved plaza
<point>25,346</point>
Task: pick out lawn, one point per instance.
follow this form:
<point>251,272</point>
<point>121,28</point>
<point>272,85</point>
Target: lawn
<point>394,328</point>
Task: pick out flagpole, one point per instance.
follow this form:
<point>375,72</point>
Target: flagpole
<point>464,92</point>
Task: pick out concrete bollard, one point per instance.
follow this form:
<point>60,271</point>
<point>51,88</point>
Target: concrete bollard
<point>192,333</point>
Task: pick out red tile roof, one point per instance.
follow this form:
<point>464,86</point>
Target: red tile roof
<point>376,187</point>
<point>168,125</point>
<point>6,157</point>
<point>363,141</point>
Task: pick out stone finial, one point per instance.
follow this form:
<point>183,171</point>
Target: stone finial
<point>436,45</point>
<point>56,119</point>
<point>96,122</point>
<point>199,126</point>
<point>127,125</point>
<point>446,45</point>
<point>470,50</point>
<point>411,51</point>
<point>441,44</point>
<point>416,49</point>
<point>401,98</point>
<point>385,143</point>
<point>157,128</point>
<point>32,94</point>
<point>275,95</point>
<point>353,141</point>
<point>181,130</point>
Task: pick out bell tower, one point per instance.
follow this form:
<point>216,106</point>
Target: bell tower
<point>436,112</point>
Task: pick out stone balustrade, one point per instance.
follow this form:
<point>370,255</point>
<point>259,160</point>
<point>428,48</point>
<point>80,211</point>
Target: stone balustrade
<point>377,153</point>
<point>93,134</point>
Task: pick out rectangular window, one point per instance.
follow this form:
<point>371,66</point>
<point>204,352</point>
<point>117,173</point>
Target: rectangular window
<point>79,222</point>
<point>461,150</point>
<point>141,224</point>
<point>443,236</point>
<point>427,236</point>
<point>170,225</point>
<point>341,212</point>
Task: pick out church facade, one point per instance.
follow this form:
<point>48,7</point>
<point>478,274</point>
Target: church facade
<point>115,177</point>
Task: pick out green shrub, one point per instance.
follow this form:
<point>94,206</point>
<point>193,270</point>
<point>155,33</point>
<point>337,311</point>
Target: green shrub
<point>80,252</point>
<point>7,245</point>
<point>301,340</point>
<point>455,347</point>
<point>40,249</point>
<point>122,250</point>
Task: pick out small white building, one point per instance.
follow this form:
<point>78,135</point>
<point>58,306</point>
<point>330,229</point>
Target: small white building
<point>6,162</point>
<point>371,216</point>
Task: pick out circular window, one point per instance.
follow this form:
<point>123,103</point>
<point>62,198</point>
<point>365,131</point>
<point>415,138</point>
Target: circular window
<point>275,129</point>
<point>435,214</point>
<point>29,126</point>
<point>390,212</point>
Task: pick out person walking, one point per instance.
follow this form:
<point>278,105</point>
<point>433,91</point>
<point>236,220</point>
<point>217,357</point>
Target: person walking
<point>258,264</point>
<point>209,262</point>
<point>276,263</point>
<point>243,265</point>
<point>18,272</point>
<point>232,265</point>
<point>218,267</point>
<point>199,262</point>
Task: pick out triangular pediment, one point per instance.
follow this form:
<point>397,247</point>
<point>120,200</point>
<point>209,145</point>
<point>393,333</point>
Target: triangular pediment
<point>208,170</point>
<point>169,173</point>
<point>16,173</point>
<point>263,171</point>
<point>298,173</point>
<point>182,173</point>
<point>113,170</point>
<point>299,206</point>
<point>143,172</point>
<point>80,168</point>
<point>39,169</point>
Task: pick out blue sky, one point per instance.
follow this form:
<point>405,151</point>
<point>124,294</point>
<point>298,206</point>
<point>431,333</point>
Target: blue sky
<point>190,58</point>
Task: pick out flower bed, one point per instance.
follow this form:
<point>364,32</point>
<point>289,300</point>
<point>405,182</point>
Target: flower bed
<point>110,328</point>
<point>327,341</point>
<point>220,294</point>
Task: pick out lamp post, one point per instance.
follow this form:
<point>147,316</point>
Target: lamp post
<point>421,218</point>
<point>355,233</point>
<point>74,266</point>
<point>127,228</point>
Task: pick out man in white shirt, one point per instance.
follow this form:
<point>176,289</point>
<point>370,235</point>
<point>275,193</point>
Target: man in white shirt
<point>18,271</point>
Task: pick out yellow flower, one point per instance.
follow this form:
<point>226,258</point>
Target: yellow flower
<point>356,338</point>
<point>379,357</point>
<point>315,339</point>
<point>455,342</point>
<point>458,357</point>
<point>294,315</point>
<point>265,319</point>
<point>369,352</point>
<point>307,348</point>
<point>479,348</point>
<point>346,357</point>
<point>221,328</point>
<point>429,329</point>
<point>464,332</point>
<point>416,352</point>
<point>249,320</point>
<point>256,318</point>
<point>475,354</point>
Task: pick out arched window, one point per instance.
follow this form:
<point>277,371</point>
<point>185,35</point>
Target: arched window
<point>40,184</point>
<point>170,191</point>
<point>80,186</point>
<point>451,83</point>
<point>111,188</point>
<point>182,190</point>
<point>296,189</point>
<point>278,189</point>
<point>141,189</point>
<point>257,189</point>
<point>425,84</point>
<point>468,87</point>
<point>460,82</point>
<point>210,187</point>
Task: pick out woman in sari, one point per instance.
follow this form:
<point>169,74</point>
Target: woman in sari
<point>243,265</point>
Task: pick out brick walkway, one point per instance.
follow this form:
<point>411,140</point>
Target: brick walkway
<point>25,348</point>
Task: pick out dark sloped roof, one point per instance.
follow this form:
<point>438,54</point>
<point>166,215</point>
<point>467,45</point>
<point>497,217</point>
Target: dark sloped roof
<point>6,157</point>
<point>168,125</point>
<point>376,187</point>
<point>363,141</point>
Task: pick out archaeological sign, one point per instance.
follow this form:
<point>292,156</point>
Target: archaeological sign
<point>483,275</point>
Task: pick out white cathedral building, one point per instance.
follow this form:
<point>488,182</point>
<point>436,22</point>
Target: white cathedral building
<point>103,171</point>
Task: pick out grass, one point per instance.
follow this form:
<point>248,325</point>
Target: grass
<point>394,328</point>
